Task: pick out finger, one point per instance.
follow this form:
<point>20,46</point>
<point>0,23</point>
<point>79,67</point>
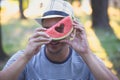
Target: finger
<point>79,27</point>
<point>77,23</point>
<point>38,44</point>
<point>39,34</point>
<point>41,39</point>
<point>42,34</point>
<point>72,35</point>
<point>74,24</point>
<point>40,29</point>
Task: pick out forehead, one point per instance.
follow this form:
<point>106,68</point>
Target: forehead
<point>50,21</point>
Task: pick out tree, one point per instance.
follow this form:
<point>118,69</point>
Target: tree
<point>21,9</point>
<point>99,15</point>
<point>23,4</point>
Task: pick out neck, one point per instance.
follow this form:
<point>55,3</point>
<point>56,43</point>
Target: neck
<point>58,57</point>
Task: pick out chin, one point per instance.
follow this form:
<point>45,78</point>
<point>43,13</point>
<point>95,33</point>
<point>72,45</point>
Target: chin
<point>54,49</point>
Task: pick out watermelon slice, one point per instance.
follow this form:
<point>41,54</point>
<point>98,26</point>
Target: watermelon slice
<point>61,30</point>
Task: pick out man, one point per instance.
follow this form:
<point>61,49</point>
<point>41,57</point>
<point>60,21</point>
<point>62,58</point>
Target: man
<point>46,59</point>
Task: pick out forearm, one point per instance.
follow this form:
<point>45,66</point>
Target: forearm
<point>13,71</point>
<point>98,69</point>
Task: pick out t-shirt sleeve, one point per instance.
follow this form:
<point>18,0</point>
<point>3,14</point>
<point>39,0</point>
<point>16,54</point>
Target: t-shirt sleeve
<point>13,59</point>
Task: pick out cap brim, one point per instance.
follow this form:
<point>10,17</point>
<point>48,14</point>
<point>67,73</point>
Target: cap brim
<point>39,20</point>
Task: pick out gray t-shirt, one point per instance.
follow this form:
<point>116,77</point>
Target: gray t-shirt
<point>41,68</point>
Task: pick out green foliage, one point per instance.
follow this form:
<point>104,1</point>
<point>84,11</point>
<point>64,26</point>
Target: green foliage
<point>111,45</point>
<point>15,34</point>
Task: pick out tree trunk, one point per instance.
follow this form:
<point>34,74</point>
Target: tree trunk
<point>99,15</point>
<point>21,9</point>
<point>2,53</point>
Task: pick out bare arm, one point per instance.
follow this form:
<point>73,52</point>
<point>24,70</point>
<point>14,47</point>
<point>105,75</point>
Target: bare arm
<point>37,39</point>
<point>80,45</point>
<point>99,70</point>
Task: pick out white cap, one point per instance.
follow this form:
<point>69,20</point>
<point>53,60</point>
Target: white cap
<point>56,8</point>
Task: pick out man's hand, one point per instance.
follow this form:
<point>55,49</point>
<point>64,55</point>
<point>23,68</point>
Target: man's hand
<point>79,43</point>
<point>35,41</point>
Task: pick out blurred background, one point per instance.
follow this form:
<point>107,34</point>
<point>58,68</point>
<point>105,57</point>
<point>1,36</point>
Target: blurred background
<point>101,19</point>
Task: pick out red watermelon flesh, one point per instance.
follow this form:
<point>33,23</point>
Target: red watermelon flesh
<point>61,30</point>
